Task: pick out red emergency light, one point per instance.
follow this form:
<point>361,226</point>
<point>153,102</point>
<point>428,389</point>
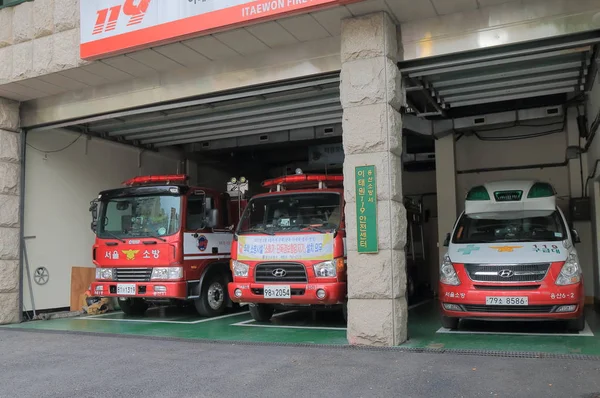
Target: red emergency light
<point>303,179</point>
<point>166,179</point>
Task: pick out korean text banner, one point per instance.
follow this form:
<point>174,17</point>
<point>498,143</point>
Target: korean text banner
<point>110,27</point>
<point>309,247</point>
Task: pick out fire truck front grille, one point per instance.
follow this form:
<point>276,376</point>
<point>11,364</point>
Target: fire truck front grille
<point>133,274</point>
<point>507,273</point>
<point>280,272</point>
<point>512,309</point>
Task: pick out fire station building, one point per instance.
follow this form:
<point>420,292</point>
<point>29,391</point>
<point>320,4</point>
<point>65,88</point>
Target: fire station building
<point>438,95</point>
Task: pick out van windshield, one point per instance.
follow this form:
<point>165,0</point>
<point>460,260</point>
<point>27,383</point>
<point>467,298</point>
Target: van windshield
<point>521,226</point>
<point>319,212</point>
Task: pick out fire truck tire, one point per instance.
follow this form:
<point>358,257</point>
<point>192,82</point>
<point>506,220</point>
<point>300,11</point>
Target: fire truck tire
<point>213,296</point>
<point>261,312</point>
<point>577,324</point>
<point>450,323</point>
<point>133,306</point>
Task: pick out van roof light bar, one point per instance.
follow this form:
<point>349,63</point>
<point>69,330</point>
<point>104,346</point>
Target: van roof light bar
<point>321,181</point>
<point>166,179</point>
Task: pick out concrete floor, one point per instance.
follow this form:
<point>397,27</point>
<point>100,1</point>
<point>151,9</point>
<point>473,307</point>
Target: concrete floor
<point>57,365</point>
<point>425,332</point>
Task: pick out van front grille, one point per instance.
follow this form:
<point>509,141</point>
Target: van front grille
<point>507,272</point>
<point>280,272</point>
<point>133,274</point>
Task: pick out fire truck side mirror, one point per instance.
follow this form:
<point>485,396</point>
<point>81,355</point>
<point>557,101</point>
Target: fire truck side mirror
<point>94,211</point>
<point>447,240</point>
<point>576,237</point>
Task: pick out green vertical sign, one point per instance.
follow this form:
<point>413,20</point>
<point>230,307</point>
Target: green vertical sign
<point>366,209</point>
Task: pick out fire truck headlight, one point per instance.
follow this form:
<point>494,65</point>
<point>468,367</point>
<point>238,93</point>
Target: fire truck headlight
<point>104,274</point>
<point>448,275</point>
<point>570,272</point>
<point>326,269</point>
<point>239,269</point>
<point>166,273</point>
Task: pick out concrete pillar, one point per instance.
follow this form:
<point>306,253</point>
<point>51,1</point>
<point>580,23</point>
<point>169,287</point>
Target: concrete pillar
<point>445,166</point>
<point>10,175</point>
<point>371,95</point>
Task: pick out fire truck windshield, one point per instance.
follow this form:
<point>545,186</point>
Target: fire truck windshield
<point>518,226</point>
<point>292,212</point>
<point>139,216</point>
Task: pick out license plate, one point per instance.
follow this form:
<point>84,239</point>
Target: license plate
<point>507,301</point>
<point>277,292</point>
<point>126,289</point>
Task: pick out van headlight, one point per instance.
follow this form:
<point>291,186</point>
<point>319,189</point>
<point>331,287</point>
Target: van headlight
<point>326,269</point>
<point>167,273</point>
<point>239,269</point>
<point>570,273</point>
<point>106,274</point>
<point>448,275</point>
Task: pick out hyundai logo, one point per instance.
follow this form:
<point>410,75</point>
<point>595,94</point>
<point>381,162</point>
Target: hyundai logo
<point>279,273</point>
<point>506,273</point>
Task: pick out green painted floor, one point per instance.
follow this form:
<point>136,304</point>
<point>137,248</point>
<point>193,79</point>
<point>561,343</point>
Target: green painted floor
<point>328,328</point>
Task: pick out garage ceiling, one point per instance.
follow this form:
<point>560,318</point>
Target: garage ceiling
<point>290,105</point>
<point>437,86</point>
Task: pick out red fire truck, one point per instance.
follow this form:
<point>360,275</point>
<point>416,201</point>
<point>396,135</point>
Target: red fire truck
<point>289,248</point>
<point>160,240</point>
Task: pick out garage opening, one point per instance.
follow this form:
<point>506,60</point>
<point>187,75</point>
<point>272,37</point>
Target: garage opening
<point>517,112</point>
<point>253,134</point>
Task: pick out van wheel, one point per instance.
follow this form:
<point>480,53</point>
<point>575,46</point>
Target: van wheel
<point>577,324</point>
<point>133,306</point>
<point>261,312</point>
<point>450,323</point>
<point>213,296</point>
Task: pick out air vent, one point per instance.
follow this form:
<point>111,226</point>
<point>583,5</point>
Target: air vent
<point>328,131</point>
<point>479,120</point>
<point>553,111</point>
<point>263,138</point>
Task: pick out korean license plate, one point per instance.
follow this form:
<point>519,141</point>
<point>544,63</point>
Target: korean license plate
<point>126,289</point>
<point>277,292</point>
<point>507,301</point>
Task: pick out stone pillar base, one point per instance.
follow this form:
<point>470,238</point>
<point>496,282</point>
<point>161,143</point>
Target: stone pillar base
<point>10,179</point>
<point>377,322</point>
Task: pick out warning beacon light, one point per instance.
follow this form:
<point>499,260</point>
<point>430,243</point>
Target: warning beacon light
<point>166,179</point>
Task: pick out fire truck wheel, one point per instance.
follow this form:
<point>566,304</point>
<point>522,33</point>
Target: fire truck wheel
<point>450,323</point>
<point>261,312</point>
<point>213,297</point>
<point>133,306</point>
<point>577,324</point>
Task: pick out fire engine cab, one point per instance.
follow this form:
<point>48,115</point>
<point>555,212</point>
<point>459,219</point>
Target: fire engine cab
<point>160,240</point>
<point>511,256</point>
<point>289,247</point>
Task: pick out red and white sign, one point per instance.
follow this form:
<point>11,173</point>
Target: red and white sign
<point>110,27</point>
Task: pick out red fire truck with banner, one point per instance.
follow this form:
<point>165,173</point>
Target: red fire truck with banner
<point>289,248</point>
<point>160,240</point>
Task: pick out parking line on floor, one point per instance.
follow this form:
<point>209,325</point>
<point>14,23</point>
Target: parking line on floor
<point>249,323</point>
<point>586,332</point>
<point>164,321</point>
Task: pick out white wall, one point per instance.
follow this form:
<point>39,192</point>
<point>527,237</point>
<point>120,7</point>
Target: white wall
<point>593,156</point>
<point>58,189</point>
